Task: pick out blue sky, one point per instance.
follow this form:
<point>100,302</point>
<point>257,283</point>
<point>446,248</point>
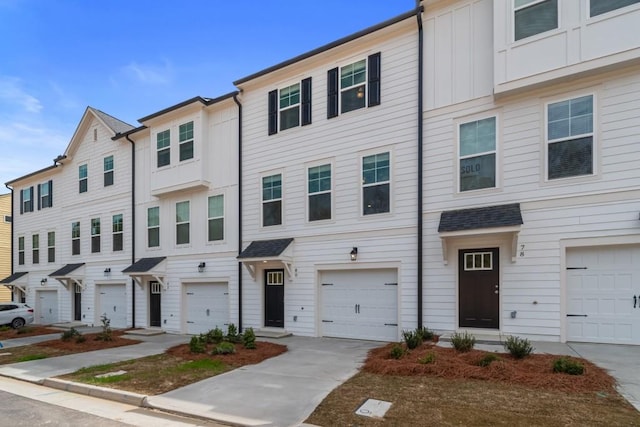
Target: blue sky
<point>131,58</point>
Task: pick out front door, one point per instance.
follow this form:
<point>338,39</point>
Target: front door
<point>274,298</point>
<point>479,288</point>
<point>154,304</point>
<point>77,302</point>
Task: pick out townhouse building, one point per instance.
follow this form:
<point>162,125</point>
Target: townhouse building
<point>5,243</point>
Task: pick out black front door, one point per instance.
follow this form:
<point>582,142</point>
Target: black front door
<point>479,284</point>
<point>274,298</point>
<point>77,302</point>
<point>154,304</point>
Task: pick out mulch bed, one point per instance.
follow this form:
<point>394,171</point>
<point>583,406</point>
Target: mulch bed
<point>89,344</point>
<point>534,371</point>
<point>27,331</point>
<point>241,357</point>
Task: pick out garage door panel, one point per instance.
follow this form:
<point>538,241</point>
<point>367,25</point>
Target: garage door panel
<point>112,302</point>
<point>47,307</point>
<point>206,307</point>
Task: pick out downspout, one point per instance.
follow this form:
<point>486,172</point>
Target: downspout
<point>420,154</point>
<point>133,228</point>
<point>12,235</point>
<point>235,99</point>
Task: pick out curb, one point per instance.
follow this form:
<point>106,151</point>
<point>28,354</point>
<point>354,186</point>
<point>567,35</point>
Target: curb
<point>121,396</point>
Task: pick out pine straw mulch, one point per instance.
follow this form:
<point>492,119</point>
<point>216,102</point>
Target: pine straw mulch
<point>535,371</point>
<point>26,331</point>
<point>241,357</point>
<point>90,343</point>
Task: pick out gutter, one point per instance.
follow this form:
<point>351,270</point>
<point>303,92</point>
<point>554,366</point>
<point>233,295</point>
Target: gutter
<point>419,10</point>
<point>12,231</point>
<point>235,99</point>
<point>133,228</point>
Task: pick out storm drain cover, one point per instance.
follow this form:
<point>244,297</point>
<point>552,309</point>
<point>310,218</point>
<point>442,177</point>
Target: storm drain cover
<point>111,374</point>
<point>374,408</point>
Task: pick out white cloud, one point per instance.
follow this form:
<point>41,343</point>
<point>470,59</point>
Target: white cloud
<point>12,92</point>
<point>149,74</point>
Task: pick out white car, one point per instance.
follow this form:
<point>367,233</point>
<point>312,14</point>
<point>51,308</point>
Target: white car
<point>15,314</point>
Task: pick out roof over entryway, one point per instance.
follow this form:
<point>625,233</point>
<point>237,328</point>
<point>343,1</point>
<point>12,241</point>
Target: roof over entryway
<point>15,277</point>
<point>267,250</point>
<point>152,267</point>
<point>70,273</point>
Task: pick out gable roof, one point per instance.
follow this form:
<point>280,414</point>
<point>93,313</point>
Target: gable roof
<point>485,217</point>
<point>64,271</point>
<point>13,277</point>
<point>116,125</point>
<point>143,265</point>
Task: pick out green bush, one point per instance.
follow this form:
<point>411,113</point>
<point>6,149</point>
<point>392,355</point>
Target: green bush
<point>232,333</point>
<point>426,333</point>
<point>488,359</point>
<point>107,333</point>
<point>197,344</point>
<point>5,328</point>
<point>225,348</point>
<point>413,339</point>
<point>249,339</point>
<point>23,330</point>
<point>518,347</point>
<point>214,336</point>
<point>566,365</point>
<point>80,339</point>
<point>427,358</point>
<point>463,342</point>
<point>397,351</point>
<point>69,334</point>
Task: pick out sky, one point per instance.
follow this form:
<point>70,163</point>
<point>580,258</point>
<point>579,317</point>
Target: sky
<point>132,58</point>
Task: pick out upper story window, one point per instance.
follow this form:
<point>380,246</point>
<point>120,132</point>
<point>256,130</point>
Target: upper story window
<point>163,148</point>
<point>216,218</point>
<point>570,138</point>
<point>21,250</point>
<point>319,187</point>
<point>598,7</point>
<point>26,200</point>
<point>182,223</point>
<point>290,106</point>
<point>478,154</point>
<point>51,246</point>
<point>108,171</point>
<point>353,86</point>
<point>83,180</point>
<point>95,235</point>
<point>45,195</point>
<point>117,229</point>
<point>75,238</point>
<point>272,200</point>
<point>376,183</point>
<point>35,248</point>
<point>533,17</point>
<point>186,141</point>
<point>153,227</point>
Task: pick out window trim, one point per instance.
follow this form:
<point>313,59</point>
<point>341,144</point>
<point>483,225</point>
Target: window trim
<point>154,227</point>
<point>21,251</point>
<point>83,179</point>
<point>96,237</point>
<point>281,199</point>
<point>108,172</point>
<point>75,239</point>
<point>223,217</point>
<point>610,13</point>
<point>24,207</point>
<point>35,248</point>
<point>498,153</point>
<point>182,143</point>
<point>188,223</point>
<point>115,232</point>
<point>542,34</point>
<point>304,106</point>
<point>48,202</point>
<point>379,150</point>
<point>164,148</point>
<point>372,84</point>
<point>331,191</point>
<point>50,247</point>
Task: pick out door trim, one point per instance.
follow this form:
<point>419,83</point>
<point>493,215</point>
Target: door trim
<point>274,278</point>
<point>484,263</point>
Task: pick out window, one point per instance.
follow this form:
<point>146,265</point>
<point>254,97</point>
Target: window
<point>35,248</point>
<point>534,17</point>
<point>75,238</point>
<point>163,147</point>
<point>290,106</point>
<point>51,246</point>
<point>375,184</point>
<point>117,228</point>
<point>182,223</point>
<point>319,187</point>
<point>83,182</point>
<point>21,250</point>
<point>348,86</point>
<point>272,200</point>
<point>45,195</point>
<point>153,227</point>
<point>570,138</point>
<point>8,219</point>
<point>474,261</point>
<point>478,154</point>
<point>108,171</point>
<point>95,235</point>
<point>26,200</point>
<point>186,141</point>
<point>598,7</point>
<point>216,218</point>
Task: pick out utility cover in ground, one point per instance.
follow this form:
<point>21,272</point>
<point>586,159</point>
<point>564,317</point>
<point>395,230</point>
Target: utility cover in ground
<point>374,408</point>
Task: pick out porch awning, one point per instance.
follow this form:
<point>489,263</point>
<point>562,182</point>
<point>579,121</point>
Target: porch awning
<point>70,273</point>
<point>267,250</point>
<point>14,281</point>
<point>486,220</point>
<point>149,267</point>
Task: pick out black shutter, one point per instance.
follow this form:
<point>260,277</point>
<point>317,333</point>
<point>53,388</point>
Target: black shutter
<point>374,79</point>
<point>21,202</point>
<point>273,112</point>
<point>306,101</point>
<point>50,193</point>
<point>31,191</point>
<point>332,93</point>
<point>39,185</point>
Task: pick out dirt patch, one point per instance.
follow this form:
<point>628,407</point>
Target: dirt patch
<point>27,331</point>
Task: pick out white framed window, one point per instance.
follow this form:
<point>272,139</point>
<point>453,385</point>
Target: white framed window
<point>163,148</point>
<point>182,223</point>
<point>272,200</point>
<point>117,230</point>
<point>83,179</point>
<point>75,238</point>
<point>108,171</point>
<point>45,198</point>
<point>153,227</point>
<point>289,106</point>
<point>474,261</point>
<point>376,183</point>
<point>215,214</point>
<point>599,7</point>
<point>185,136</point>
<point>35,249</point>
<point>51,246</point>
<point>354,86</point>
<point>95,235</point>
<point>319,190</point>
<point>275,278</point>
<point>569,137</point>
<point>8,219</point>
<point>21,250</point>
<point>477,154</point>
<point>533,17</point>
<point>26,200</point>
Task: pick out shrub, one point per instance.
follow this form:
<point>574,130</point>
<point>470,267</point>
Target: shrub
<point>427,358</point>
<point>232,333</point>
<point>197,344</point>
<point>397,351</point>
<point>106,334</point>
<point>426,333</point>
<point>5,328</point>
<point>566,365</point>
<point>24,330</point>
<point>488,359</point>
<point>518,347</point>
<point>214,336</point>
<point>69,334</point>
<point>225,348</point>
<point>249,339</point>
<point>463,342</point>
<point>80,339</point>
<point>413,339</point>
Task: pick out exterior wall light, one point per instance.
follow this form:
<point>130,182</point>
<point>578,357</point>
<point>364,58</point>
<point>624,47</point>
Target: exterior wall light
<point>354,254</point>
<point>107,271</point>
<point>201,267</point>
<point>43,281</point>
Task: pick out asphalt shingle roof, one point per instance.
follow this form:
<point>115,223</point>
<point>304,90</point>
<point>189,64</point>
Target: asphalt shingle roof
<point>143,265</point>
<point>116,125</point>
<point>13,277</point>
<point>265,248</point>
<point>474,218</point>
<point>66,270</point>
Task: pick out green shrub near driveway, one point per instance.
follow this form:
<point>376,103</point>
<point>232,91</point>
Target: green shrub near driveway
<point>567,365</point>
<point>518,347</point>
<point>463,342</point>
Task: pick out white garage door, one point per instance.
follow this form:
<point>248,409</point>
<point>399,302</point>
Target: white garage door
<point>360,304</point>
<point>206,307</point>
<point>112,302</point>
<point>47,307</point>
<point>603,294</point>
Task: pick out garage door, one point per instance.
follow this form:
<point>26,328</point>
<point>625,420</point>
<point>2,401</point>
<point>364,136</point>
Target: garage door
<point>360,304</point>
<point>603,294</point>
<point>112,302</point>
<point>47,307</point>
<point>207,307</point>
